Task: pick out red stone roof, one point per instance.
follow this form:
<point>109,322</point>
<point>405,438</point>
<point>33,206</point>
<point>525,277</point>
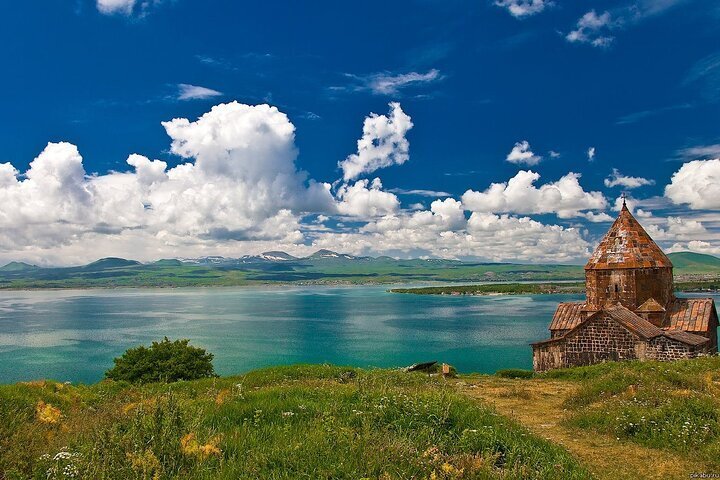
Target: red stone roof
<point>567,316</point>
<point>650,306</point>
<point>685,337</point>
<point>632,322</point>
<point>627,245</point>
<point>637,325</point>
<point>691,314</point>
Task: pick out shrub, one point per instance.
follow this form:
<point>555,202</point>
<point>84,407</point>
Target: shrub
<point>163,361</point>
<point>514,373</point>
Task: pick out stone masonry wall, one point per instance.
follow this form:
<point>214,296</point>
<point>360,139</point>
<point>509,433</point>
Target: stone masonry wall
<point>598,340</point>
<point>601,339</point>
<point>631,287</point>
<point>663,348</point>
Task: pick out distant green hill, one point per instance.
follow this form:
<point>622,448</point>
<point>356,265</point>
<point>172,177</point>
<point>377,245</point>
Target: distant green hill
<point>111,262</point>
<point>168,262</point>
<point>690,262</point>
<point>17,267</point>
<point>323,267</point>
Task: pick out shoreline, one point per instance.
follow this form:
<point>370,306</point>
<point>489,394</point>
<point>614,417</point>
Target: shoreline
<point>334,283</point>
<point>480,288</point>
<point>540,288</point>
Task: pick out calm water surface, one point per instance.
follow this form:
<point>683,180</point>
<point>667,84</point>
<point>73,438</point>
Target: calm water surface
<point>74,335</point>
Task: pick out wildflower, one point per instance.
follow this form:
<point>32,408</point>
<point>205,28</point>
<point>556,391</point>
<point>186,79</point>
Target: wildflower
<point>189,445</point>
<point>451,470</point>
<point>222,396</point>
<point>288,414</point>
<point>208,450</point>
<point>145,462</point>
<point>46,413</point>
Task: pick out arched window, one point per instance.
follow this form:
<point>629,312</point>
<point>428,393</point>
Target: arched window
<point>616,288</point>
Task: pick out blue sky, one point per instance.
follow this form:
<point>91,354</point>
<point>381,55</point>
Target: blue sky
<point>635,82</point>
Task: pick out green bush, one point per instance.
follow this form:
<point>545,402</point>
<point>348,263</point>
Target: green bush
<point>514,373</point>
<point>163,361</point>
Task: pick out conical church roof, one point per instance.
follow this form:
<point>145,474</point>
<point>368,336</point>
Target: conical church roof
<point>627,245</point>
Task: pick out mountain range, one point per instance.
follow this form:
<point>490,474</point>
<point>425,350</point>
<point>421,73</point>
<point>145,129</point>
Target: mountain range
<point>323,266</point>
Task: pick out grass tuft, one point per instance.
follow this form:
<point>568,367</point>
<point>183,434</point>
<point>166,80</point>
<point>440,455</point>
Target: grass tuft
<point>664,405</point>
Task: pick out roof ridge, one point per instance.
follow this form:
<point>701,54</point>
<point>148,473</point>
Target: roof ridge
<point>633,322</point>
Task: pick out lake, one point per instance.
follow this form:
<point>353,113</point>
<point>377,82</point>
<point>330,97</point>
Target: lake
<point>73,335</point>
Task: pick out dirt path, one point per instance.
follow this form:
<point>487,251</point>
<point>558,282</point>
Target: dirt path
<point>538,404</point>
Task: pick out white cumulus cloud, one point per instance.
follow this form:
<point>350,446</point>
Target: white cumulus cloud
<point>240,182</point>
<point>618,179</point>
<point>591,154</point>
<point>238,190</point>
<point>697,184</point>
<point>523,8</point>
<point>521,153</point>
<point>382,144</point>
<point>566,197</point>
<point>593,29</point>
<point>109,7</point>
<point>366,199</point>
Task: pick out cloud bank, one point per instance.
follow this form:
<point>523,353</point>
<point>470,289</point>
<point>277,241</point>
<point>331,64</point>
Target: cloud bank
<point>238,190</point>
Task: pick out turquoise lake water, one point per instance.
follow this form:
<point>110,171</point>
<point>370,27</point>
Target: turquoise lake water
<point>74,335</point>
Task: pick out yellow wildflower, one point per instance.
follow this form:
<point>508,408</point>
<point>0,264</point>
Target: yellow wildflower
<point>190,446</point>
<point>209,449</point>
<point>222,396</point>
<point>145,463</point>
<point>46,413</point>
<point>451,470</point>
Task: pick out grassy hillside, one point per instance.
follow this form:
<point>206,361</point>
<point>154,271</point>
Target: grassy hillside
<point>617,420</point>
<point>690,262</point>
<point>316,422</point>
<point>668,406</point>
<point>621,420</point>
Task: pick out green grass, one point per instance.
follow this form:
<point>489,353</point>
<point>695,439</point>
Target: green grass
<point>671,406</point>
<point>514,373</point>
<point>315,422</point>
<point>698,286</point>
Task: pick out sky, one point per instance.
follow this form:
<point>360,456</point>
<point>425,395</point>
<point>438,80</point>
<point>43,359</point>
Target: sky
<point>501,130</point>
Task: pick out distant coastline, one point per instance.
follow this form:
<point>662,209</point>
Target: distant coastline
<point>710,286</point>
<point>328,268</point>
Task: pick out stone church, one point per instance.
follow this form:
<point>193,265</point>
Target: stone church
<point>630,310</point>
